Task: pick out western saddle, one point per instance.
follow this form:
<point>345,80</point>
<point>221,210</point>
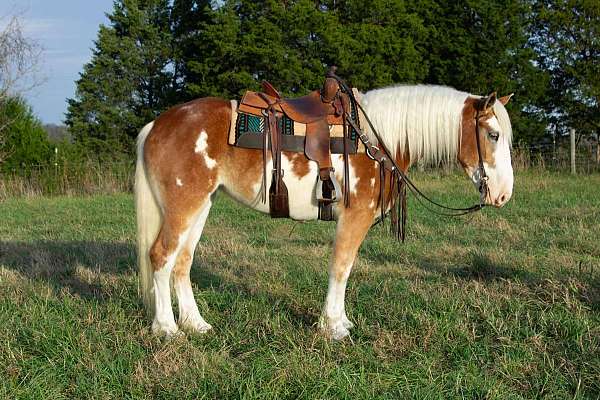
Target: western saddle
<point>318,111</point>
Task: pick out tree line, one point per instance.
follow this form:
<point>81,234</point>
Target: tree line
<point>153,54</point>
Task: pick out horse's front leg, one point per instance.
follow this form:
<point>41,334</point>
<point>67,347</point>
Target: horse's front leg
<point>352,228</point>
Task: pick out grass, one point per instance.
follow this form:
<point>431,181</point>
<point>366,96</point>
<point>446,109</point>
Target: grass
<point>85,177</point>
<point>503,305</point>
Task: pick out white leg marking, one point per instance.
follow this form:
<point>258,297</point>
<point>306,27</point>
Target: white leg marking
<point>178,182</point>
<point>189,316</point>
<point>164,320</point>
<point>333,320</point>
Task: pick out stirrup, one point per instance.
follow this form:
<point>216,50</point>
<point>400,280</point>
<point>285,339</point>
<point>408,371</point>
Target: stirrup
<point>328,190</point>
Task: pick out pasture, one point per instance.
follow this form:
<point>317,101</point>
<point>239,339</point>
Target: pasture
<point>501,305</point>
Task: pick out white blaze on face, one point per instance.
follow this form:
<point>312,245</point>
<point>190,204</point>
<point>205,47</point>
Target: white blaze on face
<point>500,174</point>
<point>201,147</point>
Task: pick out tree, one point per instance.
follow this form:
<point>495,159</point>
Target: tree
<point>291,44</point>
<point>156,53</point>
<point>26,142</point>
<point>57,133</point>
<point>565,34</point>
<point>479,47</point>
<point>188,21</point>
<point>19,62</point>
<point>375,43</point>
<point>129,80</point>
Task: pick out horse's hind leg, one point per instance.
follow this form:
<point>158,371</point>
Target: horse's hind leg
<point>189,316</point>
<point>170,248</point>
<point>163,254</point>
<point>351,230</point>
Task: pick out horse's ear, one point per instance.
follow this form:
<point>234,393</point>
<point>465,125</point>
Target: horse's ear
<point>491,100</point>
<point>505,99</point>
<point>485,103</point>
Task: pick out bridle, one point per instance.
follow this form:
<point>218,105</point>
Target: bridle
<point>400,181</point>
<point>483,177</point>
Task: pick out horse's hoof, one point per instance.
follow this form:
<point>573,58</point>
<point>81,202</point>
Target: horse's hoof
<point>174,335</point>
<point>168,331</point>
<point>338,333</point>
<point>196,326</point>
<point>347,323</point>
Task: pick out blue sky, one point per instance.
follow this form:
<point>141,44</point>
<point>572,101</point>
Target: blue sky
<point>66,30</point>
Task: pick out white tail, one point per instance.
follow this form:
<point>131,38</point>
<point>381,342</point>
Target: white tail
<point>148,223</point>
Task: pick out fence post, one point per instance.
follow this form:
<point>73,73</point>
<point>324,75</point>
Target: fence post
<point>597,148</point>
<point>573,171</point>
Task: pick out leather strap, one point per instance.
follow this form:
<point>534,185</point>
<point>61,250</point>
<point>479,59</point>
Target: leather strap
<point>346,136</point>
<point>398,178</point>
<point>294,143</point>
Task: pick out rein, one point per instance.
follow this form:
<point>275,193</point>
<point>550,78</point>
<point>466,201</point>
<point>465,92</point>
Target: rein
<point>400,181</point>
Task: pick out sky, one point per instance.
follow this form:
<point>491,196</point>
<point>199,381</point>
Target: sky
<point>66,30</point>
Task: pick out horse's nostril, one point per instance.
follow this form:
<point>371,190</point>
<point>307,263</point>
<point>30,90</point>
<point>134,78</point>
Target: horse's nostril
<point>501,200</point>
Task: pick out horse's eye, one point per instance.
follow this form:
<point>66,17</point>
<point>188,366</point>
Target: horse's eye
<point>494,135</point>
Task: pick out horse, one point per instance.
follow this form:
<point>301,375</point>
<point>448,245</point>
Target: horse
<point>183,158</point>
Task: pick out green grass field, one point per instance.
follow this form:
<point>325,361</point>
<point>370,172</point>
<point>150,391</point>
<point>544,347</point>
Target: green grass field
<point>502,305</point>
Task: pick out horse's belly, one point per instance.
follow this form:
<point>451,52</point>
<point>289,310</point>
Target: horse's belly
<point>301,191</point>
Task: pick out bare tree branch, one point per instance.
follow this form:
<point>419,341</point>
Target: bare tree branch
<point>20,58</point>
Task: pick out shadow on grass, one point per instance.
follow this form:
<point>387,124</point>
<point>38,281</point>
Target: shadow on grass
<point>205,279</point>
<point>479,267</point>
<point>64,264</point>
<point>61,264</point>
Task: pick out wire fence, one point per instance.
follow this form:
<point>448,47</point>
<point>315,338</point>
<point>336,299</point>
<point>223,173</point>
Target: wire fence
<point>95,177</point>
<point>558,157</point>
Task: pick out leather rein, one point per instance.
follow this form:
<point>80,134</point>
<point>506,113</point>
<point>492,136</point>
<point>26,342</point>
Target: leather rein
<point>400,181</point>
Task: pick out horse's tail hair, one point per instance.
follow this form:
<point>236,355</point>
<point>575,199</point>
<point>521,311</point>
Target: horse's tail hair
<point>148,223</point>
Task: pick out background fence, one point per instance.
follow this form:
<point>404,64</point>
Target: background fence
<point>94,177</point>
<point>558,157</point>
<point>67,178</point>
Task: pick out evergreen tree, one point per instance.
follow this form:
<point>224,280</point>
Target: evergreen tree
<point>566,37</point>
<point>480,46</point>
<point>291,44</point>
<point>156,53</point>
<point>188,21</point>
<point>26,142</point>
<point>376,43</point>
<point>249,41</point>
<point>129,80</point>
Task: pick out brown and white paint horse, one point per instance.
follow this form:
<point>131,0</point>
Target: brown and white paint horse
<point>184,158</point>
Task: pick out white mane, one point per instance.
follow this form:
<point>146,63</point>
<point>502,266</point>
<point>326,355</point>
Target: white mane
<point>425,119</point>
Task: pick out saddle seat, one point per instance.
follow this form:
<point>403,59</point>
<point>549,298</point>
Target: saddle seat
<point>305,109</point>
